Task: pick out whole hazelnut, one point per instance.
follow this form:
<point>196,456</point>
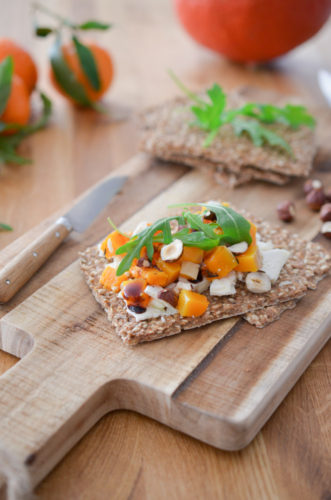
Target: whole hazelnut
<point>328,195</point>
<point>325,213</point>
<point>311,184</point>
<point>326,229</point>
<point>315,199</point>
<point>286,211</point>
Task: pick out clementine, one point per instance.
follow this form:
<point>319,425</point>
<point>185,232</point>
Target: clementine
<point>18,105</point>
<point>24,65</point>
<point>252,30</point>
<point>104,66</point>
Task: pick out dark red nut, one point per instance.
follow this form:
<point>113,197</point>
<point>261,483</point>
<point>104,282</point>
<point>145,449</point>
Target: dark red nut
<point>326,229</point>
<point>169,296</point>
<point>286,211</point>
<point>315,199</point>
<point>328,195</point>
<point>325,213</point>
<point>311,184</point>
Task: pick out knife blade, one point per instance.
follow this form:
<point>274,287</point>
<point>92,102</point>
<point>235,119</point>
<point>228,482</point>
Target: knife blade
<point>324,81</point>
<point>20,269</point>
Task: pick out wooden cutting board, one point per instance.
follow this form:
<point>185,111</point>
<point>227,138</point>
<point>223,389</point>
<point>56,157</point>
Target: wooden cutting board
<point>219,383</point>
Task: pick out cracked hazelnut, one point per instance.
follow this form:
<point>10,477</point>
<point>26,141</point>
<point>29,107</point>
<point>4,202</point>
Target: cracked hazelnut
<point>326,229</point>
<point>315,199</point>
<point>286,211</point>
<point>325,213</point>
<point>311,184</point>
<point>328,195</point>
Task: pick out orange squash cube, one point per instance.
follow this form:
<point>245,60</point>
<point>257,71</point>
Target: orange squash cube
<point>249,262</point>
<point>192,254</point>
<point>112,242</point>
<point>154,277</point>
<point>220,261</point>
<point>192,303</point>
<point>110,281</point>
<point>171,269</point>
<point>252,232</point>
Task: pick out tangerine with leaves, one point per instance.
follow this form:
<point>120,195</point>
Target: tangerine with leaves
<point>103,65</point>
<point>24,65</point>
<point>17,110</point>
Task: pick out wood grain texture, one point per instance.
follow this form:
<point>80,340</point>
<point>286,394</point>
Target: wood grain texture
<point>75,369</point>
<point>127,455</point>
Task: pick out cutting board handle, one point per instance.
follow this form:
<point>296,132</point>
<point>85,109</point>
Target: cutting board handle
<point>42,415</point>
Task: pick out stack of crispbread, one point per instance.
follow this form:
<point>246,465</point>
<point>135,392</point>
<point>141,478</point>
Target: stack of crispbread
<point>166,133</point>
<point>308,264</point>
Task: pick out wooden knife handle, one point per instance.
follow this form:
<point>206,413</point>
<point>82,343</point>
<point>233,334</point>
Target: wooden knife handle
<point>19,270</point>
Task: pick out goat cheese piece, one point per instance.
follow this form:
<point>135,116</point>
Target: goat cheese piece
<point>273,261</point>
<point>224,286</point>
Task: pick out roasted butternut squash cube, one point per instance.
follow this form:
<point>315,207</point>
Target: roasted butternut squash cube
<point>250,261</point>
<point>112,242</point>
<point>154,276</point>
<point>192,303</point>
<point>192,254</point>
<point>220,261</point>
<point>171,269</point>
<point>110,281</point>
<point>252,232</point>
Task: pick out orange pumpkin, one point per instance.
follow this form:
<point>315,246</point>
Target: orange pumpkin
<point>192,303</point>
<point>252,30</point>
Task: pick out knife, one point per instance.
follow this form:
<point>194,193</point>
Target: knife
<point>20,269</point>
<point>324,80</point>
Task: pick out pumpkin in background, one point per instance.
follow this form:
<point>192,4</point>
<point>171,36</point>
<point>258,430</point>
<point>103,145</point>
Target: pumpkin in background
<point>252,30</point>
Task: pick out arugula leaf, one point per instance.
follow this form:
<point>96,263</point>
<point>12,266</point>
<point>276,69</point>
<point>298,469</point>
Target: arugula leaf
<point>260,134</point>
<point>211,116</point>
<point>6,75</point>
<point>198,239</point>
<point>87,63</point>
<point>196,222</point>
<point>144,239</point>
<point>234,226</point>
<point>5,227</point>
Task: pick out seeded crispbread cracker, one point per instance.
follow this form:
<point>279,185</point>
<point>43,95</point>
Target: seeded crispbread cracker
<point>166,133</point>
<point>267,315</point>
<point>292,284</point>
<point>224,176</point>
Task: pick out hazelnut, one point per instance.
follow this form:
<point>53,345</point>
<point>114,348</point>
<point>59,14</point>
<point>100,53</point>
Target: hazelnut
<point>328,195</point>
<point>326,229</point>
<point>286,211</point>
<point>311,184</point>
<point>315,199</point>
<point>325,213</point>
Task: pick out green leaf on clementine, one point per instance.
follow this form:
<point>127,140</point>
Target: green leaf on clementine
<point>65,76</point>
<point>87,62</point>
<point>6,75</point>
<point>94,25</point>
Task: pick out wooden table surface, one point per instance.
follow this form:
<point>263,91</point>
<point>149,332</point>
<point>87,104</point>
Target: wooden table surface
<point>127,455</point>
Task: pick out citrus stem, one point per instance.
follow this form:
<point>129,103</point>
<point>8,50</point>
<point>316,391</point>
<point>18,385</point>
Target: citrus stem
<point>46,10</point>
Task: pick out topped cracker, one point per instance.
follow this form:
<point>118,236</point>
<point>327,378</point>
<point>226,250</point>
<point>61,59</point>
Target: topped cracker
<point>166,133</point>
<point>308,262</point>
